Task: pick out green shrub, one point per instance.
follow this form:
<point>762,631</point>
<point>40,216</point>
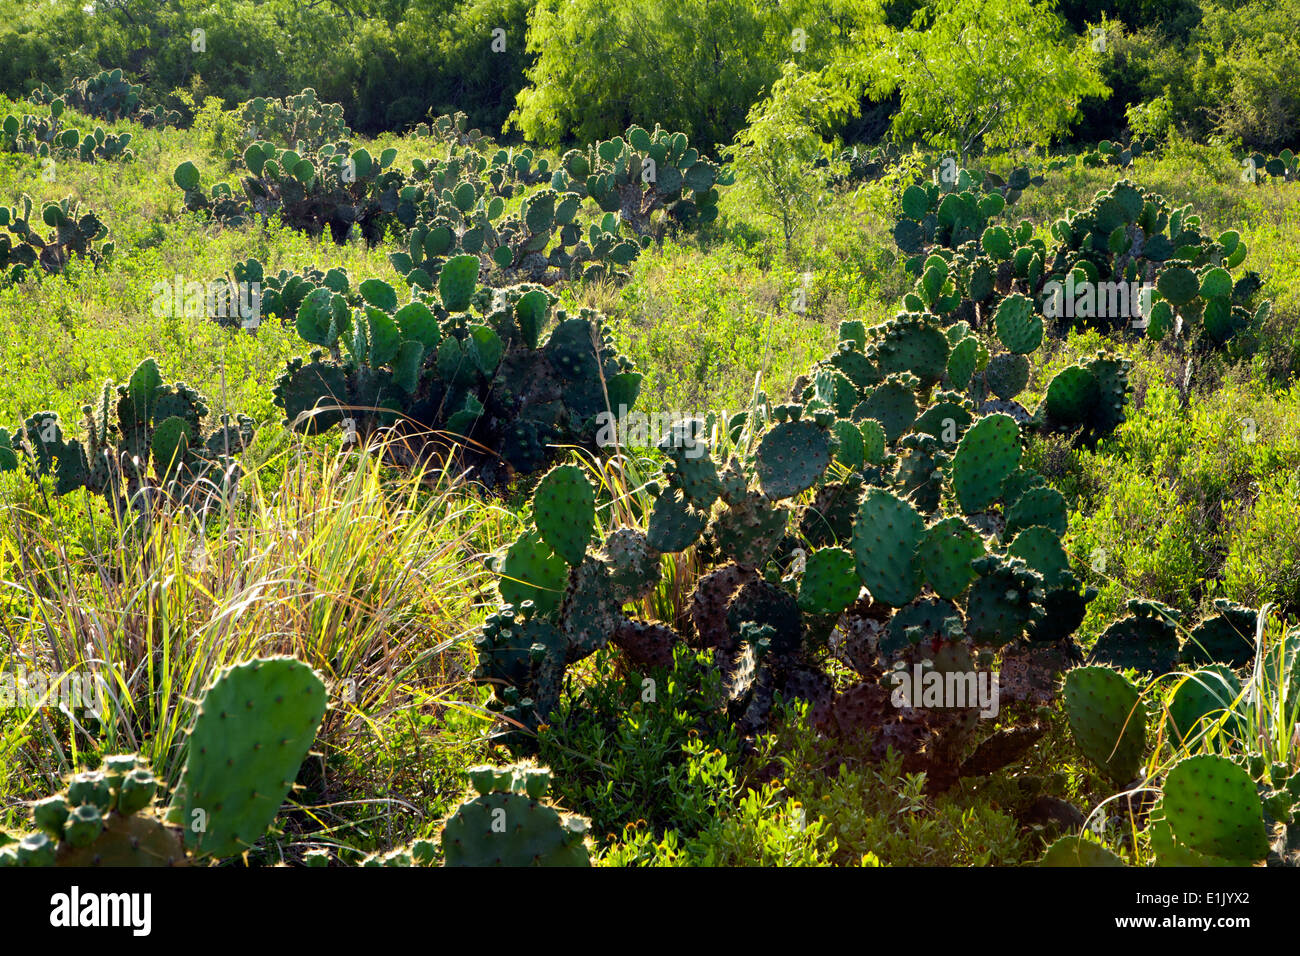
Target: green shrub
<point>665,763</point>
<point>1263,560</point>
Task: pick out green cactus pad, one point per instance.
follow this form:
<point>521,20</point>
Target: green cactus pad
<point>1072,395</point>
<point>910,344</point>
<point>675,524</point>
<point>873,441</point>
<point>532,571</point>
<point>791,457</point>
<point>457,281</point>
<point>1226,637</point>
<point>509,825</point>
<point>1107,720</point>
<point>925,622</point>
<point>632,564</point>
<point>1146,642</point>
<point>962,361</point>
<point>988,453</point>
<point>945,554</point>
<point>830,582</point>
<point>1005,602</point>
<point>886,534</point>
<point>1078,852</point>
<point>127,841</point>
<point>893,404</point>
<point>1208,692</point>
<point>1041,549</point>
<point>690,467</point>
<point>254,727</point>
<point>1007,374</point>
<point>564,508</point>
<point>1037,507</point>
<point>749,530</point>
<point>1213,807</point>
<point>591,612</point>
<point>1020,328</point>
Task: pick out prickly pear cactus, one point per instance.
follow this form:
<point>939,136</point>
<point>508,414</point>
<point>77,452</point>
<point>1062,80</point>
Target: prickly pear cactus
<point>465,372</point>
<point>1108,720</point>
<point>26,249</point>
<point>107,95</point>
<point>145,446</point>
<point>506,821</point>
<point>1213,807</point>
<point>103,818</point>
<point>254,728</point>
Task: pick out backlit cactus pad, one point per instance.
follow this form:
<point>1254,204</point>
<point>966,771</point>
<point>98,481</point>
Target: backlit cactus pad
<point>508,824</point>
<point>253,731</point>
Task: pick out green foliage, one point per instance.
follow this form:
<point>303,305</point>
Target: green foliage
<point>780,158</point>
<point>695,66</point>
<point>963,86</point>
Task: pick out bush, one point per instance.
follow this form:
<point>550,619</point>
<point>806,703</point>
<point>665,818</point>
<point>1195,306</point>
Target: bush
<point>1263,562</point>
<point>695,66</point>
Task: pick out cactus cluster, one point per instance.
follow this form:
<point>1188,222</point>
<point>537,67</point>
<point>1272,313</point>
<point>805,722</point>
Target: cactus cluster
<point>266,293</point>
<point>640,173</point>
<point>1130,260</point>
<point>450,128</point>
<point>328,187</point>
<point>864,164</point>
<point>457,205</point>
<point>1284,167</point>
<point>302,121</point>
<point>145,445</point>
<point>462,368</point>
<point>880,518</point>
<point>255,725</point>
<point>47,137</point>
<point>952,209</point>
<point>1118,155</point>
<point>26,248</point>
<point>108,95</point>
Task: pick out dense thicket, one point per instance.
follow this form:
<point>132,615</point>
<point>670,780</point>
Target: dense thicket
<point>578,70</point>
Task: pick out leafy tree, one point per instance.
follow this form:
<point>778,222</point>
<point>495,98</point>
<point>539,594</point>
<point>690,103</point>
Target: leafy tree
<point>781,160</point>
<point>690,65</point>
<point>984,73</point>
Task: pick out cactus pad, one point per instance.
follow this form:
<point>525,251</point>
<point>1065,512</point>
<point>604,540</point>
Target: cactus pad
<point>253,730</point>
<point>830,582</point>
<point>886,534</point>
<point>564,509</point>
<point>988,453</point>
<point>1213,807</point>
<point>1107,720</point>
<point>791,457</point>
<point>507,823</point>
<point>945,554</point>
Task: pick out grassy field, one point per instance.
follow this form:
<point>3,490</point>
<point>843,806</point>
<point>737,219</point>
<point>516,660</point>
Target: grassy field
<point>378,577</point>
